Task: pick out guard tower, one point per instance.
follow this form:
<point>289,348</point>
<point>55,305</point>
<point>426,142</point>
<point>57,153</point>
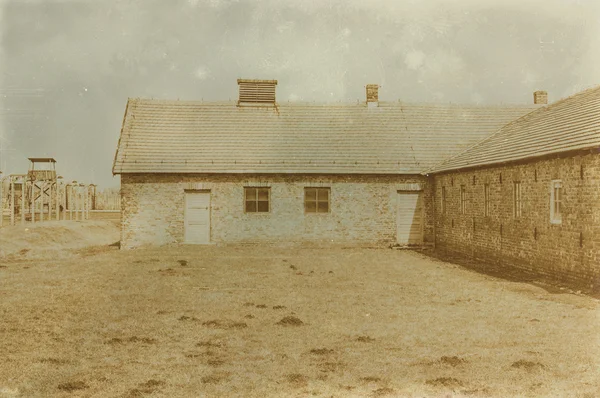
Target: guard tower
<point>42,170</point>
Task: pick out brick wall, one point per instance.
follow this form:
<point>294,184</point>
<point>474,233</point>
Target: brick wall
<point>363,209</point>
<point>568,251</point>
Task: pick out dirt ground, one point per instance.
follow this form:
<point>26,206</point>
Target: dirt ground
<point>285,322</point>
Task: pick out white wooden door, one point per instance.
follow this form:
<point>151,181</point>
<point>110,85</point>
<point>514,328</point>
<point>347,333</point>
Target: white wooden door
<point>409,219</point>
<point>197,217</point>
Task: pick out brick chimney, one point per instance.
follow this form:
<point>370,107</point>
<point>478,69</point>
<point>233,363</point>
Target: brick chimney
<point>254,92</point>
<point>372,95</point>
<point>540,97</point>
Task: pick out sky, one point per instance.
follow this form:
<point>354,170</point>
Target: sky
<point>68,67</point>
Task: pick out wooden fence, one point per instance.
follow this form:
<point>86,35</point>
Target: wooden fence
<point>23,200</point>
<point>107,199</point>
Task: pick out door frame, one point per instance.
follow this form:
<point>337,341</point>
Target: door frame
<point>420,193</point>
<point>185,220</point>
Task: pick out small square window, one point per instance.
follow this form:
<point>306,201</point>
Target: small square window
<point>257,200</point>
<point>316,200</point>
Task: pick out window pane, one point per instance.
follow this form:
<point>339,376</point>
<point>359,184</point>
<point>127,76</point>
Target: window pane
<point>263,194</point>
<point>250,193</point>
<point>324,194</point>
<point>310,206</point>
<point>250,207</point>
<point>310,194</point>
<point>323,207</point>
<point>263,206</point>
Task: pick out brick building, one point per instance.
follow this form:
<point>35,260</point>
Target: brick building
<point>256,170</point>
<point>528,195</point>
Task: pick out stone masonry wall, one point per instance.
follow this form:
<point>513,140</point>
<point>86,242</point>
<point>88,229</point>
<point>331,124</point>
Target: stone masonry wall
<point>363,209</point>
<point>568,251</point>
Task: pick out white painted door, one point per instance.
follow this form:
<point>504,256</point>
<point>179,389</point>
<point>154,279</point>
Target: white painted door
<point>409,219</point>
<point>197,217</point>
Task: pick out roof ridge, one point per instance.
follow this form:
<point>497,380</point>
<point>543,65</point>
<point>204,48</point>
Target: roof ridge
<point>502,129</point>
<point>478,143</point>
<point>398,103</point>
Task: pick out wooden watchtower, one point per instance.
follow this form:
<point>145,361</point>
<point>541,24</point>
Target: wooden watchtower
<point>42,170</point>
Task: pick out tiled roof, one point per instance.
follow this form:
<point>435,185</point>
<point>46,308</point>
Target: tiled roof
<point>160,136</point>
<point>570,124</point>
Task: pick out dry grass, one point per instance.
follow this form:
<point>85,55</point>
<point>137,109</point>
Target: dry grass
<point>234,321</point>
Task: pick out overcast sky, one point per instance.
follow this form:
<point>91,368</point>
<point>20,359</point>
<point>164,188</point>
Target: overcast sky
<point>68,67</point>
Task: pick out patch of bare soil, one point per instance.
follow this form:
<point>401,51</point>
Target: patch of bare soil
<point>297,380</point>
<point>54,361</point>
<point>132,339</point>
<point>330,367</point>
<point>213,344</point>
<point>290,321</point>
<point>168,272</point>
<point>527,365</point>
<point>224,324</point>
<point>452,361</point>
<point>381,392</point>
<point>146,388</point>
<point>215,362</point>
<point>321,351</point>
<point>71,386</point>
<point>370,379</point>
<point>215,378</point>
<point>188,318</point>
<point>449,382</point>
<point>365,339</point>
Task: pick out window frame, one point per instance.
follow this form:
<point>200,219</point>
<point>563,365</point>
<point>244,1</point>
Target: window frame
<point>486,200</point>
<point>556,201</point>
<point>317,200</point>
<point>256,200</point>
<point>517,199</point>
<point>443,204</point>
<point>463,199</point>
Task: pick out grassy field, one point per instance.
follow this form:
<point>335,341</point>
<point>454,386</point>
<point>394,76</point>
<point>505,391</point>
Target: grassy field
<point>285,322</point>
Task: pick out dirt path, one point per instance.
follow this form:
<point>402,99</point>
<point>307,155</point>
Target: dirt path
<point>287,322</point>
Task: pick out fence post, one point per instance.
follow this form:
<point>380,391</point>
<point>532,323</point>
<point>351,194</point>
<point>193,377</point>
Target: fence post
<point>76,201</point>
<point>50,201</point>
<point>71,201</point>
<point>32,202</point>
<point>1,200</point>
<point>23,189</point>
<point>56,201</point>
<point>88,198</point>
<point>12,201</point>
<point>42,200</point>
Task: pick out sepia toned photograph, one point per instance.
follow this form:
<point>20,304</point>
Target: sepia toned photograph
<point>300,198</point>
